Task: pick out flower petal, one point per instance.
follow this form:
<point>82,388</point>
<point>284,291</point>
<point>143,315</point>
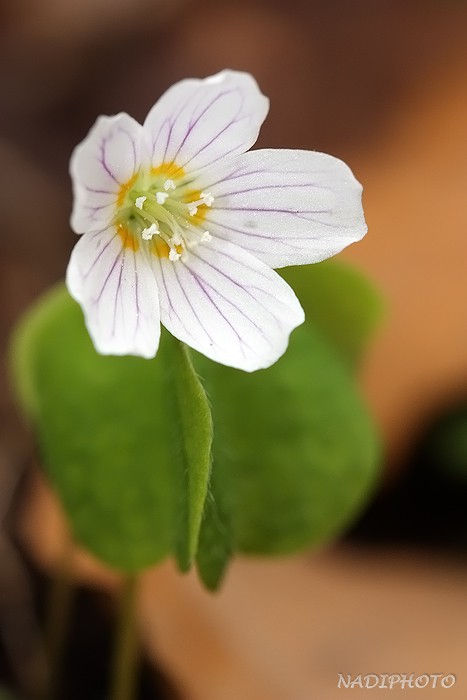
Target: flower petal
<point>198,122</point>
<point>102,168</point>
<point>286,207</point>
<point>227,305</point>
<point>117,290</point>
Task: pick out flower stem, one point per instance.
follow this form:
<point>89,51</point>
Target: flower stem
<point>57,626</point>
<point>124,672</point>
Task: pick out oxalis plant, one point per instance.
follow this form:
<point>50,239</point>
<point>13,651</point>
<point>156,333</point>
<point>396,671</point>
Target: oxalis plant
<point>155,450</point>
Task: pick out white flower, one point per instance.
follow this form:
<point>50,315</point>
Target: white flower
<point>181,226</point>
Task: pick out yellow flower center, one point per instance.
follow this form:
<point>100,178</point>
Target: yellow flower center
<point>162,211</point>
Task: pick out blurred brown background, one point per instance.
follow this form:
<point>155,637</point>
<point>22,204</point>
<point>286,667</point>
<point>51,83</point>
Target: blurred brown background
<point>381,85</point>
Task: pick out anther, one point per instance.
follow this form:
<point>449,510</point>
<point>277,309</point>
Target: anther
<point>192,210</point>
<point>139,201</point>
<point>206,236</point>
<point>161,197</point>
<point>207,198</point>
<point>148,233</point>
<point>169,185</point>
<point>173,255</point>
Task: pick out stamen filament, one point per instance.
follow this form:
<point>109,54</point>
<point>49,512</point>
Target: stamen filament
<point>164,213</point>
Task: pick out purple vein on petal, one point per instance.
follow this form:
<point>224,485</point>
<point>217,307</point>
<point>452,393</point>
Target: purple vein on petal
<point>251,234</point>
<point>133,145</point>
<point>192,124</point>
<point>103,159</point>
<point>101,252</point>
<point>244,289</point>
<point>138,310</point>
<point>172,307</point>
<point>228,126</point>
<point>267,210</point>
<point>249,286</point>
<point>97,191</point>
<point>279,186</point>
<point>237,174</point>
<point>169,137</point>
<point>117,297</point>
<point>171,121</point>
<point>233,121</point>
<point>210,298</point>
<point>211,339</point>
<point>99,296</point>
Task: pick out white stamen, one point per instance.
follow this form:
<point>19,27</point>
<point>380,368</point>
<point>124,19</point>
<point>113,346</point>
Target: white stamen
<point>177,231</point>
<point>148,233</point>
<point>207,198</point>
<point>173,255</point>
<point>161,197</point>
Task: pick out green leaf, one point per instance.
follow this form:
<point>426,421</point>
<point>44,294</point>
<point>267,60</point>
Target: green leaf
<point>342,303</point>
<point>295,452</point>
<point>125,441</point>
<point>193,411</point>
<point>216,538</point>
